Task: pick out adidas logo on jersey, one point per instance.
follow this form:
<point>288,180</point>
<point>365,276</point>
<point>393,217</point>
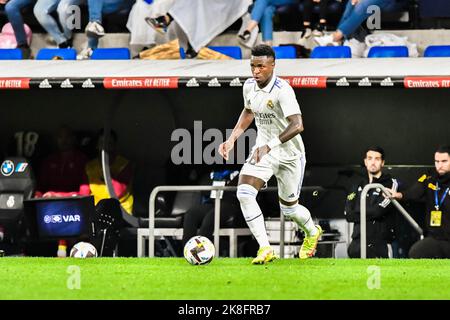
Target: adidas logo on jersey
<point>291,195</point>
<point>365,82</point>
<point>214,83</point>
<point>342,82</point>
<point>192,83</point>
<point>88,84</point>
<point>66,84</point>
<point>45,84</point>
<point>387,82</point>
<point>236,83</point>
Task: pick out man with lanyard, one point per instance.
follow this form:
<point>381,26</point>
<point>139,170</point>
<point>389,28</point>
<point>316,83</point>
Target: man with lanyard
<point>436,190</point>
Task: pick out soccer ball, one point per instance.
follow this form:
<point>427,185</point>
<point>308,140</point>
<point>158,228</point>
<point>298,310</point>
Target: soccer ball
<point>83,250</point>
<point>199,250</point>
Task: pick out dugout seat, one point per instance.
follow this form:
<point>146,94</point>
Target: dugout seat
<point>388,52</point>
<point>17,183</point>
<point>111,54</point>
<point>107,223</point>
<point>330,52</point>
<point>285,52</point>
<point>437,51</point>
<point>56,54</point>
<point>10,54</point>
<point>231,51</point>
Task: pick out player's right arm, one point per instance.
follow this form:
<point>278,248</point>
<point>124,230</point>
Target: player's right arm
<point>245,119</point>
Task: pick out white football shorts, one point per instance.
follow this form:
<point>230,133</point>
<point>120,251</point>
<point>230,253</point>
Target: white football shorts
<point>289,174</point>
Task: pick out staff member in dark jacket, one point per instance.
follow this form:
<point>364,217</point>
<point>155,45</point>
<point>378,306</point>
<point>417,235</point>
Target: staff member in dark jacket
<point>435,190</point>
<point>379,215</point>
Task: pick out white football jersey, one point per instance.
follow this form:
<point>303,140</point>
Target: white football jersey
<point>271,106</point>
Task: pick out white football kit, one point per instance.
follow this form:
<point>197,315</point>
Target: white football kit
<point>271,106</point>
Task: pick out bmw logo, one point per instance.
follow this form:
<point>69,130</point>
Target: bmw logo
<point>7,167</point>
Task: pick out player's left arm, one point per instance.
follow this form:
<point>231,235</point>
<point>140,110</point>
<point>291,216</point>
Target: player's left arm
<point>294,127</point>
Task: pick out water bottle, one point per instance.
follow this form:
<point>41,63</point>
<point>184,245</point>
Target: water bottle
<point>62,249</point>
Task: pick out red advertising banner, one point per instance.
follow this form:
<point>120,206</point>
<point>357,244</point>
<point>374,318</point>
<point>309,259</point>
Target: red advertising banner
<point>14,83</point>
<point>426,82</point>
<point>307,82</point>
<point>141,83</point>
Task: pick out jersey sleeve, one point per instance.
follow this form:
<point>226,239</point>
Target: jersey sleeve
<point>288,102</point>
<point>245,90</point>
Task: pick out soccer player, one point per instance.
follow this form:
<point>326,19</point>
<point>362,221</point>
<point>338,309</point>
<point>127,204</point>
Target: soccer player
<point>278,151</point>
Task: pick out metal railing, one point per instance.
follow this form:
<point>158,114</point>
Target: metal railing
<point>363,215</point>
<point>156,190</point>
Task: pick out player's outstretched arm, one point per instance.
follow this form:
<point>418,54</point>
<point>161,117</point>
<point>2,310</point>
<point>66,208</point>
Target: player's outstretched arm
<point>244,121</point>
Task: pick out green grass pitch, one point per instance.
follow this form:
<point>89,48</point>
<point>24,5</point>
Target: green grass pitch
<point>223,279</point>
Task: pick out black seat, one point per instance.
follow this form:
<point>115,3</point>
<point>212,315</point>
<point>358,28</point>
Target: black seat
<point>107,221</point>
<point>17,184</point>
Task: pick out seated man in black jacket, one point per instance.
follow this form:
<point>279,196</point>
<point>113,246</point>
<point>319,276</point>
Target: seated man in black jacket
<point>434,189</point>
<point>379,215</point>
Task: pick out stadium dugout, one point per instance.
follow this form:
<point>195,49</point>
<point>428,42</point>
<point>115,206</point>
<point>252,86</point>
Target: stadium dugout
<point>346,103</point>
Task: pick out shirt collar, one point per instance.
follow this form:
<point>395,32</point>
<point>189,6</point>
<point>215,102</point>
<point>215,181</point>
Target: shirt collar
<point>269,86</point>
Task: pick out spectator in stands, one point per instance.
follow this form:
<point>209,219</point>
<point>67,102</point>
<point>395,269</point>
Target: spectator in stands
<point>434,189</point>
<point>379,215</point>
<point>61,173</point>
<point>307,18</point>
<point>262,12</point>
<point>196,25</point>
<point>94,29</point>
<point>43,11</point>
<point>356,12</point>
<point>140,33</point>
<point>13,10</point>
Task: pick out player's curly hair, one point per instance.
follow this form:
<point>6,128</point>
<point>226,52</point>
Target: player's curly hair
<point>263,50</point>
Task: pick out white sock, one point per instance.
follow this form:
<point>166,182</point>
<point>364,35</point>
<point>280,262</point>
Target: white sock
<point>258,228</point>
<point>301,216</point>
<point>246,195</point>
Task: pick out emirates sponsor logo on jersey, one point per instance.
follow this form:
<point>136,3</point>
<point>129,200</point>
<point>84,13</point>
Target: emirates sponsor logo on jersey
<point>264,118</point>
<point>192,83</point>
<point>387,82</point>
<point>45,84</point>
<point>88,84</point>
<point>236,82</point>
<point>365,82</point>
<point>342,82</point>
<point>214,83</point>
<point>14,83</point>
<point>427,82</point>
<point>66,84</point>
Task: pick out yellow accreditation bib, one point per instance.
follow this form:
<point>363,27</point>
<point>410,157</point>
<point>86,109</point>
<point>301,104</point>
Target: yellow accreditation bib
<point>435,218</point>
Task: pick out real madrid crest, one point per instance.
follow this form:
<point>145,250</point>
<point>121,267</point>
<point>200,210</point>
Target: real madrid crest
<point>270,104</point>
